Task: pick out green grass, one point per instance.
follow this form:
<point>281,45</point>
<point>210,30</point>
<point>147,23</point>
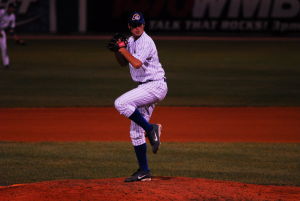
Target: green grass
<point>255,163</point>
<point>63,73</point>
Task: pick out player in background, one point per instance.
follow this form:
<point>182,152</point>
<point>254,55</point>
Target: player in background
<point>140,54</point>
<point>7,22</point>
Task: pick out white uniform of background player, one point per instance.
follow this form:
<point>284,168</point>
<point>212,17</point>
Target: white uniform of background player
<point>138,104</point>
<point>7,21</point>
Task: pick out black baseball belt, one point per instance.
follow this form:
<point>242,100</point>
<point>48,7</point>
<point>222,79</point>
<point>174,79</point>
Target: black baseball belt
<point>164,79</point>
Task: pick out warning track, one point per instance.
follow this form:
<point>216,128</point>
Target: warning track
<point>180,124</point>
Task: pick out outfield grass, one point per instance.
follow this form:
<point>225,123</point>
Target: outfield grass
<point>244,162</point>
<point>64,73</point>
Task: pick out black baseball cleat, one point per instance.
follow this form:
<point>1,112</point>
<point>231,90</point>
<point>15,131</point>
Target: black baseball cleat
<point>139,175</point>
<point>154,137</point>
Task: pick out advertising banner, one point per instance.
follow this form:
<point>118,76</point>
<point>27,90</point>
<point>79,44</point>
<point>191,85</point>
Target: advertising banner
<point>162,16</point>
<point>222,16</point>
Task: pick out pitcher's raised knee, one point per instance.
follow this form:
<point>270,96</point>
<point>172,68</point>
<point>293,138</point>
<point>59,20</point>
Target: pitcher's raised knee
<point>124,107</point>
<point>119,105</point>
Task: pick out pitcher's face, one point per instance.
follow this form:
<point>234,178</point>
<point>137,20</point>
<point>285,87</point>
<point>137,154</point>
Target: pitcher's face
<point>136,31</point>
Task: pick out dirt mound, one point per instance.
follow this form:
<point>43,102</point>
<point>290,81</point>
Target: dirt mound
<point>160,188</point>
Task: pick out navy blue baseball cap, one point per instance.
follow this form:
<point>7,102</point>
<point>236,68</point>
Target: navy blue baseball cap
<point>136,19</point>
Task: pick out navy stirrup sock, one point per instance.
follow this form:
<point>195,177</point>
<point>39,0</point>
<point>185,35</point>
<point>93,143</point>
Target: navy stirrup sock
<point>141,121</point>
<point>141,155</point>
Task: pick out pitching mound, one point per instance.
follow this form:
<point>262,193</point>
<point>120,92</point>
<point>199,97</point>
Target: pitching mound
<point>160,188</point>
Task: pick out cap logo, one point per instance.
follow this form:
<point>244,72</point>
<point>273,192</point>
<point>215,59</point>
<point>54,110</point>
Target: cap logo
<point>136,17</point>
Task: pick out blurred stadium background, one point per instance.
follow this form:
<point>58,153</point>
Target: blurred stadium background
<point>198,17</point>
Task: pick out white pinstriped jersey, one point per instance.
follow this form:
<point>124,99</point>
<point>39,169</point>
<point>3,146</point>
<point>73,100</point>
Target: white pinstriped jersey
<point>7,20</point>
<point>145,50</point>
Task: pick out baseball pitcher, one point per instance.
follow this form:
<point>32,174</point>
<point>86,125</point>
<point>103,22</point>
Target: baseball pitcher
<point>140,54</point>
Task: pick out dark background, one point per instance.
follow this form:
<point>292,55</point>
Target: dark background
<point>111,16</point>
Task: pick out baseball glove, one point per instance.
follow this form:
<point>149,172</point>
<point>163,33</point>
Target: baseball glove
<point>118,41</point>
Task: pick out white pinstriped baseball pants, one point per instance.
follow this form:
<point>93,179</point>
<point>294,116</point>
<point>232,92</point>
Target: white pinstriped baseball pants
<point>3,47</point>
<point>143,98</point>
